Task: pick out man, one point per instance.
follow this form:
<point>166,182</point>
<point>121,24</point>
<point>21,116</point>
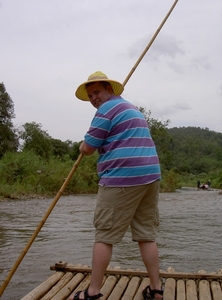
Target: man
<point>129,175</point>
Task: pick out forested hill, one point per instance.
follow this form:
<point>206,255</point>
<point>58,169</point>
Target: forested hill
<point>196,150</point>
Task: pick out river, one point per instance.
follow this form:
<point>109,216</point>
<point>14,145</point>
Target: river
<point>189,238</point>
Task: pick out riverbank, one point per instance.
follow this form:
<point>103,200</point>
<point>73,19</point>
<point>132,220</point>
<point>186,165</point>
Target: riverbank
<point>47,196</point>
<point>26,175</point>
<point>36,196</point>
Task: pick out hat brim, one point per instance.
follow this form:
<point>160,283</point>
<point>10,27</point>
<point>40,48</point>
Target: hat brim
<point>81,92</point>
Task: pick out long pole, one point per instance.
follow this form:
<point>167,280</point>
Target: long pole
<point>150,43</point>
<point>60,192</point>
<point>41,223</point>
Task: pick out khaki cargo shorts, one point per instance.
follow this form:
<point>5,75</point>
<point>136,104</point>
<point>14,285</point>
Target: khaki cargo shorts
<point>118,208</point>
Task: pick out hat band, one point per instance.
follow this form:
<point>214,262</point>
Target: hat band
<point>98,77</point>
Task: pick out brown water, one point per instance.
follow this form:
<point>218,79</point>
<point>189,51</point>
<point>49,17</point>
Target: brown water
<point>190,236</point>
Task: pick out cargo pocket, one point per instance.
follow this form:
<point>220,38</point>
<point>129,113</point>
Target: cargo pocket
<point>103,218</point>
<point>157,220</point>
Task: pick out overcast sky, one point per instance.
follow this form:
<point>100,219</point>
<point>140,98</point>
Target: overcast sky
<point>49,47</point>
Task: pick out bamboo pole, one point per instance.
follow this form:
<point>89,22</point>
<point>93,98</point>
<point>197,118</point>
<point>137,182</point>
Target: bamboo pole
<point>38,228</point>
<point>150,43</point>
<point>25,250</point>
<point>164,274</point>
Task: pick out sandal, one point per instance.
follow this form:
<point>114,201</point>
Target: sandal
<point>86,296</point>
<point>148,294</point>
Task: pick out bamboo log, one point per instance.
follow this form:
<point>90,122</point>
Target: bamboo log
<point>142,273</point>
<point>181,292</point>
<point>216,290</point>
<point>55,289</point>
<point>108,286</point>
<point>71,285</point>
<point>145,282</point>
<point>204,290</point>
<point>126,287</point>
<point>191,289</point>
<point>119,288</point>
<point>170,289</point>
<point>131,288</point>
<point>43,288</point>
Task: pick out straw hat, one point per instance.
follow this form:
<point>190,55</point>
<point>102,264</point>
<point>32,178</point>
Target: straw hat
<point>95,77</point>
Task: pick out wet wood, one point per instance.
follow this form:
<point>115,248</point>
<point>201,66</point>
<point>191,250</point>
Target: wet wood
<point>108,286</point>
<point>121,284</point>
<point>117,271</point>
<point>204,290</point>
<point>216,290</point>
<point>41,290</point>
<point>56,288</point>
<point>132,288</point>
<point>78,279</point>
<point>181,290</point>
<point>191,290</point>
<point>170,288</point>
<point>145,282</point>
<point>119,288</point>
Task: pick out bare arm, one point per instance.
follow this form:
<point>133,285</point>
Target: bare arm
<point>85,149</point>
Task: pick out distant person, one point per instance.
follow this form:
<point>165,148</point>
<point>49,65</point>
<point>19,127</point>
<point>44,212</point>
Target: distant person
<point>202,186</point>
<point>209,183</point>
<point>198,184</point>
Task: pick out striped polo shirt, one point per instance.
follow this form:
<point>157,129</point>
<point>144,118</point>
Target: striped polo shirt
<point>127,153</point>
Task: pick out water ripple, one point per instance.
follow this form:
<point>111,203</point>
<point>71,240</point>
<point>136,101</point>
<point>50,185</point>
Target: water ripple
<point>189,238</point>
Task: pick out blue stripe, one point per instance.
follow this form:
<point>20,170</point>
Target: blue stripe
<point>128,153</point>
<point>134,171</point>
<point>92,141</point>
<point>111,105</point>
<point>130,172</point>
<point>122,117</point>
<point>102,123</point>
<point>132,132</point>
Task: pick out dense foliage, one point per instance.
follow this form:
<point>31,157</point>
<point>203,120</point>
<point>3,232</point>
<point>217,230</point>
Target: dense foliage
<point>42,144</point>
<point>196,150</point>
<point>8,137</point>
<point>26,173</point>
<point>40,167</point>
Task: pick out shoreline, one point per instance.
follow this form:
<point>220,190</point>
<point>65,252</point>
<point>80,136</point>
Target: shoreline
<point>42,197</point>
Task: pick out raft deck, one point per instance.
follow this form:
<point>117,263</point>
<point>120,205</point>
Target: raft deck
<point>128,284</point>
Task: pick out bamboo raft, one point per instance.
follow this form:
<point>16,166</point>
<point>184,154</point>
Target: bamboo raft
<point>128,284</point>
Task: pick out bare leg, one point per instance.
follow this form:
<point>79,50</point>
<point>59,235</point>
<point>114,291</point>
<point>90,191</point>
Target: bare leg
<point>101,257</point>
<point>150,256</point>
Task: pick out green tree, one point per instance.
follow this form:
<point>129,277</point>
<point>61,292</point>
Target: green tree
<point>59,148</point>
<point>8,135</point>
<point>196,150</point>
<point>36,139</point>
<point>74,149</point>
